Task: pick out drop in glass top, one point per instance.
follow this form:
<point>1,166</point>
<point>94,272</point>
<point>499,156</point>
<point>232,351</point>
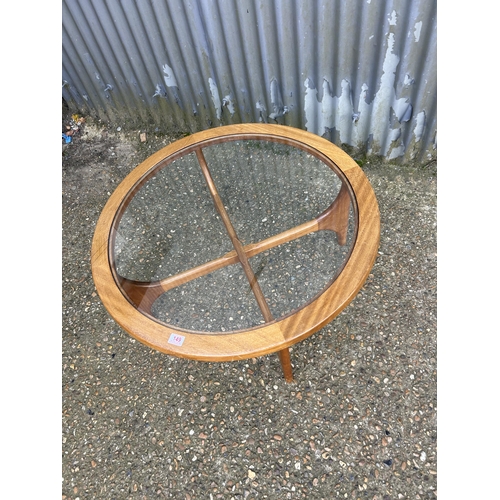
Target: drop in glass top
<point>230,235</point>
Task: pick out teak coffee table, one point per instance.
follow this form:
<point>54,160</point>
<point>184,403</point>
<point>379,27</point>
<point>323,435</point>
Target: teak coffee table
<point>236,242</point>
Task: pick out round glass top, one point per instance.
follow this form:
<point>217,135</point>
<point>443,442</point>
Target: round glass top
<point>171,225</point>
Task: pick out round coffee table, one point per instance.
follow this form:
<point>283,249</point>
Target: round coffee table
<point>236,242</point>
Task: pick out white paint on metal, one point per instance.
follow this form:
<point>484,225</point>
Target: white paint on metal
<point>228,103</point>
<point>362,124</point>
<point>417,31</point>
<point>334,112</point>
<point>327,108</point>
<point>396,152</point>
<point>311,107</point>
<point>279,109</point>
<point>402,109</point>
<point>395,134</point>
<point>344,112</point>
<point>168,76</point>
<point>260,107</point>
<point>345,71</point>
<point>262,111</point>
<point>215,98</point>
<point>385,97</point>
<point>371,118</point>
<point>408,80</point>
<point>159,91</point>
<point>393,18</point>
<point>419,126</point>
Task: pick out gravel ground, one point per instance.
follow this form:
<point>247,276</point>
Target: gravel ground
<point>359,421</point>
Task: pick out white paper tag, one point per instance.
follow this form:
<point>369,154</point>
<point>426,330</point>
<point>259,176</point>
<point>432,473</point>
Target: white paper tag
<point>176,339</point>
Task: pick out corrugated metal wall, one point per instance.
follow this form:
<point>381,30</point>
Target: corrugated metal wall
<point>358,72</point>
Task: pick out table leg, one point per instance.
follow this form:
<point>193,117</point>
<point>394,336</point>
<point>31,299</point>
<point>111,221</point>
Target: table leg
<point>286,364</point>
<point>336,216</point>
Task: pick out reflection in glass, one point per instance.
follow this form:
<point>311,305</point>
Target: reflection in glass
<point>267,188</point>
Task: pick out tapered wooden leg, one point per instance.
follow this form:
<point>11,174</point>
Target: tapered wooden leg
<point>336,216</point>
<point>286,364</point>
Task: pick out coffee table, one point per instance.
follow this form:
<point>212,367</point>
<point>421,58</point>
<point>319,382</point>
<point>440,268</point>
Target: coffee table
<point>236,242</point>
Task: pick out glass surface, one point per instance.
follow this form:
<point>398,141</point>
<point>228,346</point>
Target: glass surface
<point>171,225</point>
<point>269,187</point>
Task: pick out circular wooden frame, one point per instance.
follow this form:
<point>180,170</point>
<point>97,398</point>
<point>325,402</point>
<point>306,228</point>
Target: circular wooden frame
<point>274,335</point>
